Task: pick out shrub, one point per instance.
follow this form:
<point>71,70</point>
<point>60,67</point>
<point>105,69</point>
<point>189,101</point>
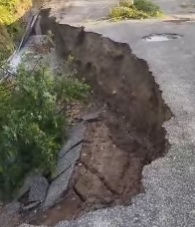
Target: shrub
<point>140,9</point>
<point>122,12</point>
<point>147,6</point>
<point>33,123</point>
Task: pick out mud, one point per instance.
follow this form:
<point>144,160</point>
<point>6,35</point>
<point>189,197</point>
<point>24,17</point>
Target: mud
<point>129,133</point>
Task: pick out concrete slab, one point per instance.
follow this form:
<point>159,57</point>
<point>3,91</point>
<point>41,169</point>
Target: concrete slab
<point>58,187</point>
<point>68,159</point>
<point>76,136</point>
<point>38,189</point>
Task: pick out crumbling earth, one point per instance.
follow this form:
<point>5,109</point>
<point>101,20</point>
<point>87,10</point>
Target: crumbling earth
<point>123,137</point>
<point>126,135</point>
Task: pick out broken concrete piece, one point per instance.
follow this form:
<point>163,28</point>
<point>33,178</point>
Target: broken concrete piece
<point>36,186</point>
<point>58,187</point>
<point>76,135</point>
<point>30,206</point>
<point>68,159</point>
<point>27,225</point>
<point>38,189</point>
<point>37,27</point>
<point>25,187</point>
<point>91,117</point>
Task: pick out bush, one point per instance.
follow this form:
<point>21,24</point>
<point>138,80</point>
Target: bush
<point>140,9</point>
<point>147,6</point>
<point>122,12</point>
<point>33,123</point>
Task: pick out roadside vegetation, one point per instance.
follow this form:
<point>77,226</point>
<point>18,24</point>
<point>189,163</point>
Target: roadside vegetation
<point>137,9</point>
<point>33,107</point>
<point>11,24</point>
<point>33,123</point>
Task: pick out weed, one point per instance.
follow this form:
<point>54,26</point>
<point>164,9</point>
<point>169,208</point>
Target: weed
<point>139,9</point>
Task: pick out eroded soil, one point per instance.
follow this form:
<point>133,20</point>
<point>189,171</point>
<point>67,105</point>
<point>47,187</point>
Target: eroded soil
<point>127,135</point>
<point>109,171</point>
<point>105,175</point>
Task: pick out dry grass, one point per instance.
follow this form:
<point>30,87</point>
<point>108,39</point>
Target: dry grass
<point>11,12</point>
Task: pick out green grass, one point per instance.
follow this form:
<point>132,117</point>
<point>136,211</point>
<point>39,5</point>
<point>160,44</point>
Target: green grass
<point>141,9</point>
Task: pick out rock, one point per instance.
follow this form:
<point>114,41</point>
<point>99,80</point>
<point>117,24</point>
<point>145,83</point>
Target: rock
<point>68,159</point>
<point>76,135</point>
<point>58,187</point>
<point>38,189</point>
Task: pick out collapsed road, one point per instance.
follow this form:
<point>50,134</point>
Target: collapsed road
<point>112,55</point>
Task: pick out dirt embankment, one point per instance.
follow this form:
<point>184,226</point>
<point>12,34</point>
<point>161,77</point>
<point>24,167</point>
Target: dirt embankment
<point>129,133</point>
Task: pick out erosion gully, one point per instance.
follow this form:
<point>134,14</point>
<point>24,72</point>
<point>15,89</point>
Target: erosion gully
<point>129,133</point>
